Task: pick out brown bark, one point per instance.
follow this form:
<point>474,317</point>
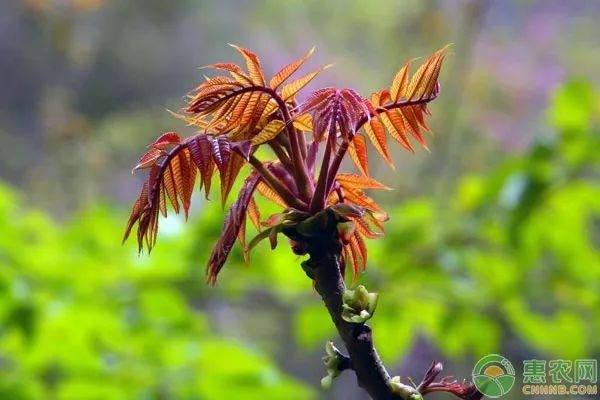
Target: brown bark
<point>323,267</point>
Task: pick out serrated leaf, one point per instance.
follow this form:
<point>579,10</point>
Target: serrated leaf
<point>149,159</point>
<point>201,151</point>
<point>400,83</point>
<point>376,133</point>
<point>395,126</point>
<point>288,70</point>
<point>423,82</point>
<point>269,132</point>
<point>358,153</point>
<point>254,213</point>
<point>229,175</point>
<point>234,220</point>
<point>291,89</point>
<point>351,181</point>
<point>303,123</point>
<point>252,64</point>
<point>166,140</point>
<point>243,148</point>
<point>221,152</point>
<point>170,187</point>
<point>269,194</point>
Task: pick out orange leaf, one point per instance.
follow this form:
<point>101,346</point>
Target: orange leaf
<point>400,83</point>
<point>291,89</point>
<point>170,187</point>
<point>254,213</point>
<point>269,132</point>
<point>358,153</point>
<point>252,64</point>
<point>357,197</point>
<point>229,175</point>
<point>425,78</point>
<point>411,124</point>
<point>395,126</point>
<point>288,70</point>
<point>356,259</point>
<point>242,239</point>
<point>376,133</point>
<point>352,182</point>
<point>269,194</point>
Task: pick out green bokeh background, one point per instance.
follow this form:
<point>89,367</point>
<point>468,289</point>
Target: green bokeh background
<point>492,245</point>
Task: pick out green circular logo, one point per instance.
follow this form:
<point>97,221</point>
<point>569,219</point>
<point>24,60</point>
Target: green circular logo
<point>494,375</point>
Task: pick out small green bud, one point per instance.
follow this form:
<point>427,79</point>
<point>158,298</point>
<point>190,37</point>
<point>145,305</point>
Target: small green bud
<point>359,305</point>
<point>331,361</point>
<point>405,391</point>
<point>326,382</point>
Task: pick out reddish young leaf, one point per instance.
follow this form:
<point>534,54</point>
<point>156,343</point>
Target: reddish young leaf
<point>231,227</point>
<point>149,159</point>
<point>254,213</point>
<point>351,182</point>
<point>376,133</point>
<point>400,83</point>
<point>170,185</point>
<point>201,151</point>
<point>166,140</point>
<point>288,70</point>
<point>221,152</point>
<point>291,89</point>
<point>270,194</point>
<point>252,64</point>
<point>229,175</point>
<point>358,153</point>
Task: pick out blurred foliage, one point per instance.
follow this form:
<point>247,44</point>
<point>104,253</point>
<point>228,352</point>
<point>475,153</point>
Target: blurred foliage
<point>84,318</point>
<point>516,260</point>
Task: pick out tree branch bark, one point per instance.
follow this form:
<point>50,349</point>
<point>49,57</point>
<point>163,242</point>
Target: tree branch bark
<point>323,267</point>
<point>321,242</point>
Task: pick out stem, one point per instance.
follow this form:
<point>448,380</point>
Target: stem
<point>400,104</point>
<point>281,155</point>
<point>300,171</point>
<point>335,166</point>
<point>323,267</point>
<point>277,186</point>
<point>302,143</point>
<point>318,200</point>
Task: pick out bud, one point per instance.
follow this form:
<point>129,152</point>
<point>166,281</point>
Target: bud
<point>359,305</point>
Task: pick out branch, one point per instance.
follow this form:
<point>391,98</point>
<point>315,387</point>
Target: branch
<point>335,166</point>
<point>319,197</point>
<point>276,185</point>
<point>323,267</point>
<point>281,155</point>
<point>304,184</point>
<point>400,104</point>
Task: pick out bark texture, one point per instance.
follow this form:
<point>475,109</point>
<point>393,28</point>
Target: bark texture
<point>323,267</point>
